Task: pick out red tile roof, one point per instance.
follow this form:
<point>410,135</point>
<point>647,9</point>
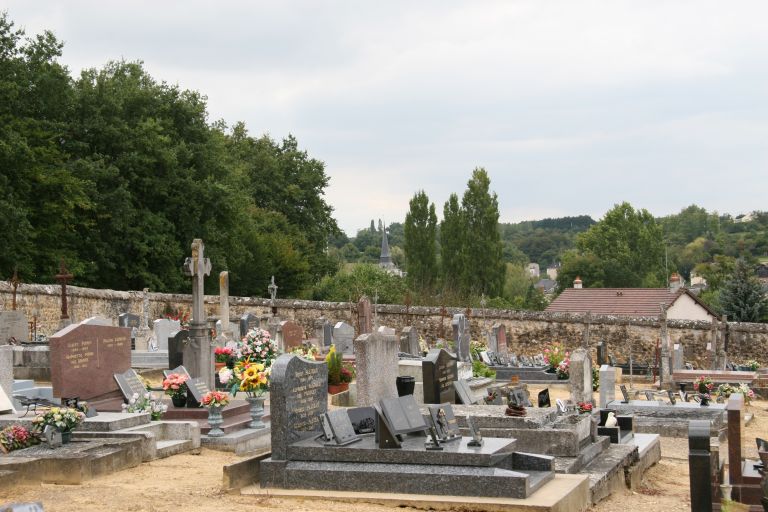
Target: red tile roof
<point>617,301</point>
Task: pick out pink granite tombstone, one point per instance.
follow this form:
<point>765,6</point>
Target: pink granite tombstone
<point>292,334</point>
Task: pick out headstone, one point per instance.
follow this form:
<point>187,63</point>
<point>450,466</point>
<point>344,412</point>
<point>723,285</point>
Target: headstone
<point>364,315</point>
<point>665,372</point>
<point>224,304</point>
<point>500,334</point>
<point>247,322</point>
<point>84,359</point>
<point>298,394</point>
<point>581,376</point>
<point>607,385</point>
<point>386,331</point>
<point>291,335</point>
<point>624,394</point>
<point>439,371</point>
<point>444,421</point>
<point>463,392</point>
<point>700,465</point>
<point>344,337</point>
<point>409,341</point>
<point>485,358</point>
<point>130,383</point>
<point>678,357</point>
<point>6,406</point>
<point>176,343</point>
<point>163,329</point>
<point>6,369</point>
<point>461,337</point>
<point>327,335</point>
<point>602,354</point>
<point>376,367</point>
<point>543,399</point>
<point>133,322</point>
<point>13,324</point>
<point>363,419</point>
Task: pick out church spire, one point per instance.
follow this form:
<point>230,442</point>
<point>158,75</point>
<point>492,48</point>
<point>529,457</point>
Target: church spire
<point>385,260</point>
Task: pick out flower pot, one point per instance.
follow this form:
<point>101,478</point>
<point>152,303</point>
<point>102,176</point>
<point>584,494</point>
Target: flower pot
<point>334,389</point>
<point>405,385</point>
<point>704,400</point>
<point>66,437</point>
<point>214,420</point>
<point>179,400</point>
<point>257,411</point>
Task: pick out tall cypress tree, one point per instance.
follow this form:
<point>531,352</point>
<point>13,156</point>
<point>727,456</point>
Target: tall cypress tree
<point>452,232</point>
<point>420,253</point>
<point>483,266</point>
<point>742,296</point>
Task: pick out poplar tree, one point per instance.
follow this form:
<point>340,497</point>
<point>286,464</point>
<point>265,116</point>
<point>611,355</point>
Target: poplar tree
<point>420,237</point>
<point>452,244</point>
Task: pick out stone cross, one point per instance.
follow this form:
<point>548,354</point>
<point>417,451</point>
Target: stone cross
<point>272,294</point>
<point>198,353</point>
<point>665,372</point>
<point>224,304</point>
<point>63,277</point>
<point>14,282</point>
<point>587,326</point>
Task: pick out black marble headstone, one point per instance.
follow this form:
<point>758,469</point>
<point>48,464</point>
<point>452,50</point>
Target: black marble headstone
<point>439,371</point>
<point>247,322</point>
<point>700,464</point>
<point>197,388</point>
<point>602,355</point>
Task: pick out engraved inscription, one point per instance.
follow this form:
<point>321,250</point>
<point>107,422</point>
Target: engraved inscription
<point>305,400</point>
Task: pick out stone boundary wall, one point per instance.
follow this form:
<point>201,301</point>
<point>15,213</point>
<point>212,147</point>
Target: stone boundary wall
<point>528,332</point>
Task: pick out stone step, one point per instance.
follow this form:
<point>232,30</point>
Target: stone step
<point>607,471</point>
<point>247,440</point>
<point>409,478</point>
<point>172,447</point>
<point>573,465</point>
<point>231,424</point>
<point>235,408</point>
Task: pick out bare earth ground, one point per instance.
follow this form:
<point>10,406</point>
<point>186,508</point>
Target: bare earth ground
<point>192,483</point>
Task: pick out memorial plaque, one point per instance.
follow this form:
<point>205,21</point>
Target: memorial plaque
<point>403,414</point>
<point>84,359</point>
<point>130,383</point>
<point>176,342</point>
<point>363,419</point>
<point>439,372</point>
<point>444,421</point>
<point>544,400</point>
<point>624,394</point>
<point>671,395</point>
<point>341,427</point>
<point>650,395</point>
<point>463,392</point>
<point>298,398</point>
<point>52,436</point>
<point>197,388</point>
<point>485,358</point>
<point>13,324</point>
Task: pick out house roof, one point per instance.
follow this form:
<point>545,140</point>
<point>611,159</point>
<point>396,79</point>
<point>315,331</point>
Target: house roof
<point>619,301</point>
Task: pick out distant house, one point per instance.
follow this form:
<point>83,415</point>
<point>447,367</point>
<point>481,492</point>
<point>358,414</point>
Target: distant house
<point>552,271</point>
<point>547,286</point>
<point>679,302</point>
<point>533,270</point>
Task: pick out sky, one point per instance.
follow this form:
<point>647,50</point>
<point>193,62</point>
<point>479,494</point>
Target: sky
<point>570,106</point>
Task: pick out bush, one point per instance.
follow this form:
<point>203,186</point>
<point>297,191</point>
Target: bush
<point>480,369</point>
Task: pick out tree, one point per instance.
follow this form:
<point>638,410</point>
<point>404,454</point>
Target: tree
<point>420,238</point>
<point>363,279</point>
<point>628,245</point>
<point>742,297</point>
<point>483,271</point>
<point>452,231</point>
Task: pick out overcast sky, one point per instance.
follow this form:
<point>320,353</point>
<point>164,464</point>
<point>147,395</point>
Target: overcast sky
<point>570,106</point>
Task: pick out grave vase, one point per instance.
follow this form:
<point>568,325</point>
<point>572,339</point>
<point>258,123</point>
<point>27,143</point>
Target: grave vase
<point>66,436</point>
<point>704,400</point>
<point>257,411</point>
<point>179,400</point>
<point>214,420</point>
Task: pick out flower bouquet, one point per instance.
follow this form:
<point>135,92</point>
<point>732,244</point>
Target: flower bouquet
<point>563,369</point>
<point>16,437</point>
<point>585,407</point>
<point>223,354</point>
<point>64,420</point>
<point>257,347</point>
<point>306,351</point>
<point>558,359</point>
<point>703,385</point>
<point>215,399</point>
<point>175,386</point>
<point>146,403</point>
<point>252,378</point>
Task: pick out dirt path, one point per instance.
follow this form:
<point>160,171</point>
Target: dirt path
<point>191,483</point>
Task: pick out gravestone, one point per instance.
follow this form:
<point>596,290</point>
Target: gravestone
<point>6,369</point>
<point>364,315</point>
<point>464,392</point>
<point>176,343</point>
<point>386,331</point>
<point>485,358</point>
<point>602,354</point>
<point>678,357</point>
<point>130,383</point>
<point>163,329</point>
<point>298,394</point>
<point>461,337</point>
<point>376,367</point>
<point>500,335</point>
<point>13,324</point>
<point>291,335</point>
<point>133,322</point>
<point>607,385</point>
<point>403,415</point>
<point>319,326</point>
<point>6,406</point>
<point>341,427</point>
<point>701,464</point>
<point>439,371</point>
<point>84,359</point>
<point>445,422</point>
<point>197,388</point>
<point>543,399</point>
<point>326,332</point>
<point>248,321</point>
<point>198,352</point>
<point>581,376</point>
<point>624,394</point>
<point>344,337</point>
<point>409,341</point>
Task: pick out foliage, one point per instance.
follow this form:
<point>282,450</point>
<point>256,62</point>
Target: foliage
<point>146,403</point>
<point>305,350</point>
<point>554,355</point>
<point>334,361</point>
<point>703,384</point>
<point>452,229</point>
<point>175,385</point>
<point>752,365</point>
<point>420,243</point>
<point>63,419</point>
<point>563,370</point>
<point>16,437</point>
<point>480,369</point>
<point>595,378</point>
<point>215,399</point>
<point>362,279</point>
<point>726,390</point>
<point>742,297</point>
<point>475,347</point>
<point>542,241</point>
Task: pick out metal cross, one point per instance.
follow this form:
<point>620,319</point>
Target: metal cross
<point>63,277</point>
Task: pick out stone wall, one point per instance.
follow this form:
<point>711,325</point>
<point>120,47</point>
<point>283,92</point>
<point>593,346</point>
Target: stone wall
<point>527,332</point>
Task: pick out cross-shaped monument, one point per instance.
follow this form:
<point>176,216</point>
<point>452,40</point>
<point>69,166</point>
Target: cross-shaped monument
<point>14,282</point>
<point>63,277</point>
<point>198,353</point>
<point>665,374</point>
<point>272,295</point>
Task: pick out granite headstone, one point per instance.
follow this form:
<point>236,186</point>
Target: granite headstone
<point>409,341</point>
<point>291,335</point>
<point>376,367</point>
<point>13,324</point>
<point>343,337</point>
<point>439,371</point>
<point>461,337</point>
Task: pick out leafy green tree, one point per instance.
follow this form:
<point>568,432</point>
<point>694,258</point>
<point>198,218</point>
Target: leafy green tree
<point>742,297</point>
<point>362,279</point>
<point>420,243</point>
<point>628,244</point>
<point>452,231</point>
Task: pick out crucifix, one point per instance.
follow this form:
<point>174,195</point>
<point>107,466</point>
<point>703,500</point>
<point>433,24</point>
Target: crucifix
<point>63,277</point>
<point>14,282</point>
<point>198,353</point>
<point>272,294</point>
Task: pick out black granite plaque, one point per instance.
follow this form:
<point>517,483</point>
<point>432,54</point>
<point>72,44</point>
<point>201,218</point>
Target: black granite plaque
<point>130,383</point>
<point>624,393</point>
<point>444,422</point>
<point>197,388</point>
<point>403,414</point>
<point>176,342</point>
<point>463,392</point>
<point>341,427</point>
<point>363,419</point>
<point>439,372</point>
<point>544,400</point>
